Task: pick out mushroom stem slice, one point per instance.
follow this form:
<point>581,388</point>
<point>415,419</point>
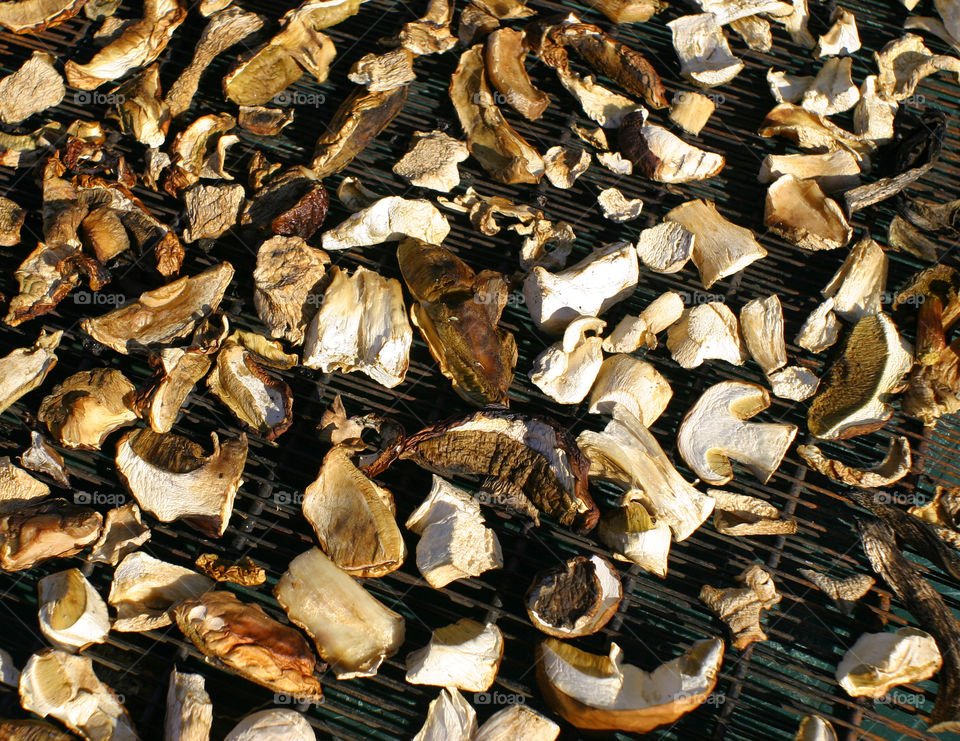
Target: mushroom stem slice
<point>189,710</point>
<point>739,515</point>
<point>794,382</point>
<point>894,466</point>
<point>878,662</point>
<point>566,370</point>
<point>798,211</point>
<point>465,655</point>
<point>51,528</point>
<point>741,608</point>
<point>144,589</point>
<point>72,614</point>
<point>761,322</point>
<point>26,368</point>
<point>504,55</point>
<point>632,383</point>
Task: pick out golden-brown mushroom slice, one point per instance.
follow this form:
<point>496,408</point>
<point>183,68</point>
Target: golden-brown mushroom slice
<point>739,515</point>
<point>123,532</point>
<point>904,62</point>
<point>33,88</point>
<point>383,72</point>
<point>141,109</point>
<point>934,390</point>
<point>504,54</point>
<point>87,407</point>
<point>741,607</point>
<point>811,131</point>
<point>843,592</point>
<point>243,571</point>
<point>291,202</point>
<point>211,210</point>
<point>465,655</point>
<point>18,488</point>
<point>563,166</point>
<point>431,33</point>
<point>832,171</point>
<point>878,662</point>
<point>264,121</point>
<point>691,111</point>
<point>11,221</point>
<point>250,643</point>
<point>26,368</point>
<point>46,276</point>
<point>286,285</point>
<point>799,212</point>
<point>574,598</point>
<point>41,456</point>
<point>197,152</point>
<point>189,709</point>
<point>628,11</point>
<point>34,16</point>
<point>144,589</point>
<point>32,730</point>
<point>103,231</point>
<point>894,466</point>
<point>52,528</point>
<point>518,721</point>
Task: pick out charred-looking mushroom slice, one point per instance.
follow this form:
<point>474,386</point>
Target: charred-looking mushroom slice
<point>904,62</point>
<point>878,662</point>
<point>465,655</point>
<point>26,368</point>
<point>854,400</point>
<point>832,90</point>
<point>18,488</point>
<point>189,709</point>
<point>361,326</point>
<point>431,33</point>
<point>634,536</point>
<point>716,430</point>
<point>164,314</point>
<point>815,728</point>
<point>741,608</point>
<point>634,332</point>
<point>49,529</point>
<point>739,515</point>
<point>894,466</point>
<point>843,592</point>
<point>263,121</point>
<point>432,161</point>
<point>721,248</point>
<point>57,684</point>
<point>243,571</point>
<point>661,156</point>
<point>33,88</point>
<point>41,456</point>
<point>761,322</point>
<point>504,54</point>
<point>705,332</point>
<point>72,614</point>
<point>273,724</point>
<point>449,718</point>
<point>144,588</point>
<point>704,53</point>
<point>353,632</point>
<point>138,45</point>
<point>566,370</point>
<point>82,411</point>
<point>589,288</point>
<point>454,542</point>
<point>842,38</point>
<point>832,171</point>
<point>358,121</point>
<point>388,220</point>
<point>627,455</point>
<point>500,150</point>
<point>812,132</point>
<point>383,72</point>
<point>632,383</point>
<point>600,693</point>
<point>799,212</point>
<point>575,598</point>
<point>354,518</point>
<point>152,466</point>
<point>286,282</point>
<point>123,532</point>
<point>211,210</point>
<point>518,721</point>
<point>244,639</point>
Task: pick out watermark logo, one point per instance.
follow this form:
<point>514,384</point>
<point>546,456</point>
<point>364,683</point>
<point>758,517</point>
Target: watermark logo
<point>888,297</point>
<point>914,100</point>
<point>695,298</point>
<point>498,698</point>
<point>716,699</point>
<point>98,298</point>
<point>898,697</point>
<point>282,698</point>
<point>288,497</point>
<point>491,498</point>
<point>514,298</point>
<point>86,97</point>
<point>294,97</point>
<point>495,97</point>
<point>100,498</point>
<point>718,99</point>
<point>899,498</point>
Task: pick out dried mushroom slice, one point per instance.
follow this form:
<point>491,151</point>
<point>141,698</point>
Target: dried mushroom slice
<point>449,718</point>
<point>811,131</point>
<point>832,90</point>
<point>705,332</point>
<point>703,51</point>
<point>52,528</point>
<point>211,210</point>
<point>634,536</point>
<point>86,408</point>
<point>144,589</point>
<point>943,509</point>
<point>878,662</point>
<point>141,109</point>
<point>842,38</point>
<point>431,33</point>
<point>292,202</point>
<point>832,171</point>
<point>600,693</point>
<point>894,466</point>
<point>739,515</point>
<point>874,114</point>
<point>26,368</point>
<point>384,72</point>
<point>72,614</point>
<point>666,247</point>
<point>575,598</point>
<point>691,111</point>
<point>34,16</point>
<point>627,11</point>
<point>353,632</point>
<point>389,219</point>
<point>243,571</point>
<point>245,640</point>
<point>45,277</point>
<point>662,156</point>
<point>617,207</point>
<point>18,488</point>
<point>273,724</point>
<point>815,728</point>
<point>601,104</point>
<point>32,730</point>
<point>798,211</point>
<point>153,465</point>
<point>123,532</point>
<point>465,655</point>
<point>262,121</point>
<point>934,390</point>
<point>286,281</point>
<point>11,221</point>
<point>843,592</point>
<point>820,330</point>
<point>33,88</point>
<point>432,161</point>
<point>563,166</point>
<point>741,608</point>
<point>44,458</point>
<point>857,287</point>
<point>794,383</point>
<point>904,62</point>
<point>198,151</point>
<point>761,323</point>
<point>189,709</point>
<point>504,55</point>
<point>566,370</point>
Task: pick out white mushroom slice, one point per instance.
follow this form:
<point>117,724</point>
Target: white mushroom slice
<point>9,674</point>
<point>449,718</point>
<point>739,515</point>
<point>721,248</point>
<point>72,614</point>
<point>353,632</point>
<point>878,662</point>
<point>588,288</point>
<point>842,38</point>
<point>43,457</point>
<point>632,383</point>
<point>820,330</point>
<point>857,287</point>
<point>617,207</point>
<point>123,532</point>
<point>604,106</point>
<point>894,466</point>
<point>815,728</point>
<point>172,477</point>
<point>354,518</point>
<point>565,371</point>
<point>601,693</point>
<point>761,322</point>
<point>634,536</point>
<point>794,383</point>
<point>799,212</point>
<point>33,88</point>
<point>741,608</point>
<point>812,132</point>
<point>189,710</point>
<point>361,326</point>
<point>18,488</point>
<point>833,90</point>
<point>787,88</point>
<point>874,115</point>
<point>705,332</point>
<point>515,722</point>
<point>703,51</point>
<point>627,455</point>
<point>574,598</point>
<point>432,161</point>
<point>728,11</point>
<point>144,588</point>
<point>383,72</point>
<point>454,542</point>
<point>465,655</point>
<point>388,220</point>
<point>26,368</point>
<point>614,162</point>
<point>716,431</point>
<point>796,24</point>
<point>63,686</point>
<point>664,157</point>
<point>545,244</point>
<point>666,247</point>
<point>563,166</point>
<point>691,111</point>
<point>211,210</point>
<point>273,724</point>
<point>904,62</point>
<point>832,171</point>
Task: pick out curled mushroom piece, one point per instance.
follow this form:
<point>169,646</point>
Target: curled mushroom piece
<point>798,211</point>
<point>44,458</point>
<point>634,536</point>
<point>815,728</point>
<point>465,655</point>
<point>703,51</point>
<point>51,528</point>
<point>86,408</point>
<point>34,16</point>
<point>894,466</point>
<point>189,709</point>
<point>504,56</point>
<point>832,171</point>
<point>842,38</point>
<point>820,330</point>
<point>389,219</point>
<point>291,202</point>
<point>741,608</point>
<point>563,166</point>
<point>635,332</point>
<point>431,33</point>
<point>33,88</point>
<point>273,724</point>
<point>72,614</point>
<point>617,207</point>
<point>575,598</point>
<point>566,370</point>
<point>878,662</point>
<point>432,161</point>
<point>904,62</point>
<point>857,285</point>
<point>243,571</point>
<point>832,90</point>
<point>843,592</point>
<point>632,383</point>
<point>595,692</point>
<point>705,332</point>
<point>144,588</point>
<point>141,110</point>
<point>18,488</point>
<point>811,131</point>
<point>26,368</point>
<point>601,104</point>
<point>123,532</point>
<point>739,515</point>
<point>449,718</point>
<point>661,156</point>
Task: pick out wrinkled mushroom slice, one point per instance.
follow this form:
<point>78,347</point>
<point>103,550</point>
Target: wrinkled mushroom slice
<point>705,332</point>
<point>634,536</point>
<point>794,382</point>
<point>72,614</point>
<point>292,202</point>
<point>632,383</point>
<point>26,368</point>
<point>123,532</point>
<point>842,38</point>
<point>449,718</point>
<point>563,166</point>
<point>943,509</point>
<point>244,639</point>
<point>474,24</point>
<point>703,51</point>
<point>815,728</point>
<point>504,53</point>
<point>46,277</point>
<point>82,411</point>
<point>384,72</point>
<point>787,88</point>
<point>854,400</point>
<point>878,662</point>
<point>263,121</point>
<point>812,132</point>
<point>361,326</point>
<point>358,121</point>
<point>820,330</point>
<point>51,528</point>
<point>691,111</point>
<point>588,288</point>
<point>501,151</point>
<point>144,588</point>
<point>32,730</point>
<point>57,684</point>
<point>761,323</point>
<point>627,11</point>
<point>894,466</point>
<point>601,104</point>
<point>189,709</point>
<point>716,430</point>
<point>353,632</point>
<point>34,87</point>
<point>243,571</point>
<point>454,542</point>
<point>832,171</point>
<point>431,33</point>
<point>721,248</point>
<point>755,32</point>
<point>934,390</point>
<point>211,210</point>
<point>566,370</point>
<point>518,721</point>
<point>832,90</point>
<point>153,465</point>
<point>388,219</point>
<point>627,455</point>
<point>662,156</point>
<point>666,247</point>
<point>904,62</point>
<point>11,221</point>
<point>741,607</point>
<point>465,655</point>
<point>617,207</point>
<point>432,161</point>
<point>18,488</point>
<point>197,152</point>
<point>740,515</point>
<point>34,16</point>
<point>874,114</point>
<point>601,693</point>
<point>843,592</point>
<point>141,110</point>
<point>575,598</point>
<point>164,314</point>
<point>858,285</point>
<point>42,457</point>
<point>138,45</point>
<point>103,231</point>
<point>728,11</point>
<point>273,724</point>
<point>799,212</point>
<point>286,282</point>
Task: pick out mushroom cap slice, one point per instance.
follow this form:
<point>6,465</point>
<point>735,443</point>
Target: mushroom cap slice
<point>52,528</point>
<point>842,38</point>
<point>189,710</point>
<point>662,156</point>
<point>18,488</point>
<point>273,724</point>
<point>465,655</point>
<point>703,51</point>
<point>798,211</point>
<point>666,247</point>
<point>286,281</point>
<point>72,614</point>
<point>82,411</point>
<point>384,72</point>
<point>705,332</point>
<point>34,16</point>
<point>632,383</point>
<point>832,90</point>
<point>601,693</point>
<point>877,662</point>
<point>575,598</point>
<point>832,171</point>
<point>432,161</point>
<point>389,219</point>
<point>518,721</point>
<point>815,728</point>
<point>42,457</point>
<point>857,286</point>
<point>504,54</point>
<point>716,430</point>
<point>144,588</point>
<point>566,370</point>
<point>24,369</point>
<point>634,536</point>
<point>123,532</point>
<point>32,89</point>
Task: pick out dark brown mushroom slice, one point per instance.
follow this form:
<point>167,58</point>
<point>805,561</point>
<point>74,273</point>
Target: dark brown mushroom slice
<point>292,203</point>
<point>102,230</point>
<point>504,54</point>
<point>935,293</point>
<point>575,598</point>
<point>53,528</point>
<point>263,121</point>
<point>34,16</point>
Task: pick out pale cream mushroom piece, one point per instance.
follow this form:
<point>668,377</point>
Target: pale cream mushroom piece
<point>634,332</point>
<point>761,324</point>
<point>123,532</point>
<point>660,155</point>
<point>904,62</point>
<point>691,111</point>
<point>833,90</point>
<point>82,411</point>
<point>614,162</point>
<point>894,466</point>
<point>812,132</point>
<point>632,383</point>
<point>599,103</point>
<point>755,32</point>
<point>799,212</point>
<point>796,24</point>
<point>635,536</point>
<point>574,598</point>
<point>566,370</point>
<point>72,614</point>
<point>666,247</point>
<point>42,457</point>
<point>465,655</point>
<point>858,285</point>
<point>617,207</point>
<point>518,721</point>
<point>189,709</point>
<point>820,330</point>
<point>449,718</point>
<point>705,332</point>
<point>34,87</point>
<point>794,382</point>
<point>842,38</point>
<point>874,114</point>
<point>389,219</point>
<point>432,161</point>
<point>740,515</point>
<point>273,724</point>
<point>878,662</point>
<point>742,607</point>
<point>563,166</point>
<point>144,588</point>
<point>787,88</point>
<point>9,674</point>
<point>18,488</point>
<point>728,11</point>
<point>703,51</point>
<point>383,72</point>
<point>832,171</point>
